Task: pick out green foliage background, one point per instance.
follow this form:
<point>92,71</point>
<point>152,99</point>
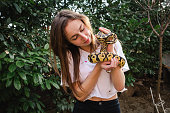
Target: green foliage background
<point>27,81</point>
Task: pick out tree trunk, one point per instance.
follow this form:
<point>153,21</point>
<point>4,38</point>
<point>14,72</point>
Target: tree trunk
<point>160,67</point>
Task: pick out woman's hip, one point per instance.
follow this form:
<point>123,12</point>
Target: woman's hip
<point>89,106</point>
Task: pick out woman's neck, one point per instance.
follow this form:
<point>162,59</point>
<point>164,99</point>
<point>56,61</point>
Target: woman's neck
<point>86,48</point>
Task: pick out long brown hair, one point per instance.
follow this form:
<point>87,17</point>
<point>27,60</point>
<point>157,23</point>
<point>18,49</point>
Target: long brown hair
<point>61,46</point>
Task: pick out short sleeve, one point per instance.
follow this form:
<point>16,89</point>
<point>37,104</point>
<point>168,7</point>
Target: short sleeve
<point>118,50</point>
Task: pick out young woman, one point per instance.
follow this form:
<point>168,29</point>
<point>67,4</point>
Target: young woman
<point>95,90</point>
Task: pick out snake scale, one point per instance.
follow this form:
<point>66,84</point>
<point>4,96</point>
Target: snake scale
<point>104,55</point>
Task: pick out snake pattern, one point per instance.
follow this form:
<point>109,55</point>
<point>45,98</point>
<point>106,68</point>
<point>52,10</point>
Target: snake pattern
<point>104,55</point>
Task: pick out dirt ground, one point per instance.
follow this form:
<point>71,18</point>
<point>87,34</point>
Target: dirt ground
<point>138,99</point>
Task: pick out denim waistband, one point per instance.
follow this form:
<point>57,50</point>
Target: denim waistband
<point>114,101</point>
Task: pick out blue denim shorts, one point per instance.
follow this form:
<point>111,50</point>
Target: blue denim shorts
<point>88,106</point>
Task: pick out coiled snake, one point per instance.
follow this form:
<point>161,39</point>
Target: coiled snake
<point>104,40</point>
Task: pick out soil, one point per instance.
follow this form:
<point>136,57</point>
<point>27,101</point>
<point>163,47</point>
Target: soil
<point>138,99</point>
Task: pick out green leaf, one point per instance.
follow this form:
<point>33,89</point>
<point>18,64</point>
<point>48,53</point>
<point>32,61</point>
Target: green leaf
<point>22,99</point>
<point>35,14</point>
<point>17,8</point>
<point>35,78</point>
<point>45,69</point>
<point>131,84</point>
<point>55,85</point>
<point>46,46</point>
<point>33,45</point>
<point>48,84</point>
<point>32,60</point>
<point>22,54</point>
<point>43,86</point>
<point>0,65</point>
<point>8,83</point>
<point>1,37</point>
<point>20,64</point>
<point>17,84</point>
<point>22,75</point>
<point>8,59</point>
<point>27,92</point>
<point>32,104</point>
<point>12,67</point>
<point>38,106</point>
<point>8,20</point>
<point>12,39</point>
<point>42,59</point>
<point>25,106</point>
<point>11,56</point>
<point>27,61</point>
<point>2,55</point>
<point>10,75</point>
<point>30,52</point>
<point>40,78</point>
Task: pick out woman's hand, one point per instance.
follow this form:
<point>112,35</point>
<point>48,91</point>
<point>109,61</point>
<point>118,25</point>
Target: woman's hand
<point>106,31</point>
<point>109,65</point>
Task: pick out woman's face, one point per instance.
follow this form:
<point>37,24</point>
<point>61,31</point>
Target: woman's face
<point>78,34</point>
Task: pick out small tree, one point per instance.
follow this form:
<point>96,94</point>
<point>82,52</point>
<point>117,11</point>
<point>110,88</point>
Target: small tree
<point>160,10</point>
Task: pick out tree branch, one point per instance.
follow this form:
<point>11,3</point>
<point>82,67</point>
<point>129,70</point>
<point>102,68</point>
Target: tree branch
<point>152,25</point>
<point>166,25</point>
<point>140,5</point>
<point>158,18</point>
<point>145,3</point>
<point>148,5</point>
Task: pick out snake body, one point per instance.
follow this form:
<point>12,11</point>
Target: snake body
<point>104,40</point>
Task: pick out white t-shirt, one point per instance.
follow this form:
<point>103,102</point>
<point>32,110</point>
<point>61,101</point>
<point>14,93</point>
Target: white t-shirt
<point>104,87</point>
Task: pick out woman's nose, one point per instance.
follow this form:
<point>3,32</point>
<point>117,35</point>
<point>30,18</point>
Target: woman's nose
<point>83,36</point>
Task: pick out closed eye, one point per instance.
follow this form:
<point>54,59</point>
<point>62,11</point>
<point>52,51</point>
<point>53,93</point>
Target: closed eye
<point>82,29</point>
<point>75,37</point>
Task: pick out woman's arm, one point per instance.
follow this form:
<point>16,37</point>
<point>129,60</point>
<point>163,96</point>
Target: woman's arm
<point>88,84</point>
<point>118,78</point>
<point>117,75</point>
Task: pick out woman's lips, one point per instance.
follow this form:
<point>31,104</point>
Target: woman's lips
<point>86,41</point>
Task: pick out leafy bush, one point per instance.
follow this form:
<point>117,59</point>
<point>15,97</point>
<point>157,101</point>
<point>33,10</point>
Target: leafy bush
<point>24,58</point>
<point>27,81</point>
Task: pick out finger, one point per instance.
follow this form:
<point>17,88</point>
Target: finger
<point>116,62</point>
<point>113,62</point>
<point>106,63</point>
<point>105,30</point>
<point>106,67</point>
<point>109,69</point>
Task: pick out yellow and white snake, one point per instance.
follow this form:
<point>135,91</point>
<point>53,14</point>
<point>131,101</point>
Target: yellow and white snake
<point>104,55</point>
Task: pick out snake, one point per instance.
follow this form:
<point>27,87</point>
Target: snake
<point>104,55</point>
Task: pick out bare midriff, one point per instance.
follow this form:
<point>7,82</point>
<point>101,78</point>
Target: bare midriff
<point>103,99</point>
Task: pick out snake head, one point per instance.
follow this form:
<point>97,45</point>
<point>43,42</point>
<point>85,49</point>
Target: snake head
<point>109,38</point>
